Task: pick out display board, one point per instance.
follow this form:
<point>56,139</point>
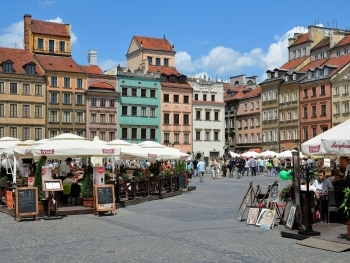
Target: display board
<point>248,196</point>
<point>52,185</point>
<point>104,198</point>
<point>26,202</point>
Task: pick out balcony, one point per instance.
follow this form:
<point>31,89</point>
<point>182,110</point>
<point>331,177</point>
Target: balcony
<point>269,122</point>
<point>53,52</point>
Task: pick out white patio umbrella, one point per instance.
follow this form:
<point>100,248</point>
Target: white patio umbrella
<point>287,154</point>
<point>22,148</point>
<point>267,154</point>
<point>250,154</point>
<point>7,142</point>
<point>234,155</point>
<point>94,159</point>
<point>119,143</point>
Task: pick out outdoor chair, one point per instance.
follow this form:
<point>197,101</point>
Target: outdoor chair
<point>332,206</point>
<point>67,195</point>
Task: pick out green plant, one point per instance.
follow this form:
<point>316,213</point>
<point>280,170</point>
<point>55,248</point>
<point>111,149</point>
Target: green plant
<point>167,172</point>
<point>284,191</point>
<point>180,167</point>
<point>87,187</point>
<point>125,176</point>
<point>140,174</point>
<point>37,177</point>
<point>345,206</point>
<point>22,181</point>
<point>107,177</point>
<point>4,179</point>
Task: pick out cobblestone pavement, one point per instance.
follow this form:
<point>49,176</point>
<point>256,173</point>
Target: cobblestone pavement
<point>197,226</point>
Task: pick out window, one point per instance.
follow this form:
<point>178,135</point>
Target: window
<point>13,132</point>
<point>93,117</point>
<point>124,110</point>
<point>186,119</point>
<point>258,121</point>
<point>37,111</point>
<point>186,138</point>
<point>265,115</point>
<point>102,102</point>
<point>245,123</point>
<point>176,137</point>
<point>346,51</point>
<point>2,87</point>
<point>336,91</point>
<point>176,119</point>
<point>38,90</point>
<point>102,136</point>
<point>282,116</point>
<point>337,108</point>
<point>134,133</point>
<point>313,91</point>
<point>13,88</point>
<point>51,45</point>
<point>93,102</point>
<point>245,106</point>
<point>149,59</point>
<point>299,52</point>
<point>252,105</point>
<point>207,115</point>
<point>102,118</point>
<point>186,99</point>
<point>198,115</point>
<point>166,118</point>
<point>66,98</point>
<point>305,112</point>
<point>157,61</point>
<point>338,53</point>
<point>314,132</point>
<point>275,114</point>
<point>62,46</point>
<point>66,116</point>
<point>166,97</point>
<point>252,122</point>
<point>289,97</point>
<point>152,134</point>
<point>294,54</point>
<point>195,96</point>
<point>25,133</point>
<point>240,138</point>
<point>240,124</point>
<point>53,82</point>
<point>26,89</point>
<point>295,133</point>
<point>304,51</point>
<point>176,98</point>
<point>13,110</point>
<point>295,96</point>
<point>31,69</point>
<point>79,118</point>
<point>282,98</point>
<point>134,111</point>
<point>216,136</point>
<point>204,97</point>
<point>245,138</point>
<point>111,136</point>
<point>252,137</point>
<point>153,112</point>
<point>143,93</point>
<point>111,102</point>
<point>143,111</point>
<point>258,104</point>
<point>92,135</point>
<point>323,110</point>
<point>79,99</point>
<point>346,89</point>
<point>166,137</point>
<point>66,82</point>
<point>323,90</point>
<point>314,111</point>
<point>305,93</point>
<point>275,136</point>
<point>79,83</point>
<point>2,110</point>
<point>143,134</point>
<point>124,92</point>
<point>216,115</point>
<point>283,135</point>
<point>8,67</point>
<point>40,43</point>
<point>111,118</point>
<point>53,116</point>
<point>152,93</point>
<point>38,134</point>
<point>346,107</point>
<point>198,135</point>
<point>295,117</point>
<point>166,62</point>
<point>124,133</point>
<point>212,97</point>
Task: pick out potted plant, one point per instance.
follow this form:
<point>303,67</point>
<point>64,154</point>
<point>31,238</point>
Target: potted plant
<point>180,169</point>
<point>86,188</point>
<point>345,207</point>
<point>22,181</point>
<point>286,192</point>
<point>38,177</point>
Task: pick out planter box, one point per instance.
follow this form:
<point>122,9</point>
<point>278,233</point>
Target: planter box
<point>88,202</point>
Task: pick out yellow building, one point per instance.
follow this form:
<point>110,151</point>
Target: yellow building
<point>22,95</point>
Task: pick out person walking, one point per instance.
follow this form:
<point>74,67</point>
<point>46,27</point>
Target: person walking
<point>252,164</point>
<point>240,167</point>
<point>261,165</point>
<point>269,166</point>
<point>201,170</point>
<point>231,167</point>
<point>195,168</point>
<point>276,165</point>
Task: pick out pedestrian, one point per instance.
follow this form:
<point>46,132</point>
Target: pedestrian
<point>269,167</point>
<point>276,165</point>
<point>195,168</point>
<point>201,170</point>
<point>214,168</point>
<point>224,168</point>
<point>240,167</point>
<point>231,167</point>
<point>252,164</point>
<point>261,165</point>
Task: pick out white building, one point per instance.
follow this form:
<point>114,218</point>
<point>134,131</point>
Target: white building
<point>208,111</point>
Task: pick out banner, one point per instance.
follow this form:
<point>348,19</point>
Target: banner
<point>98,175</point>
<point>335,147</point>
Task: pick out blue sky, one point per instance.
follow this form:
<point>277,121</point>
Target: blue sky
<point>219,38</point>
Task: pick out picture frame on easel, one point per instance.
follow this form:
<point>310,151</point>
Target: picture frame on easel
<point>291,217</point>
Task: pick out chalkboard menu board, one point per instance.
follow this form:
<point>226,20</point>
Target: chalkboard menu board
<point>244,204</point>
<point>104,198</point>
<point>26,202</point>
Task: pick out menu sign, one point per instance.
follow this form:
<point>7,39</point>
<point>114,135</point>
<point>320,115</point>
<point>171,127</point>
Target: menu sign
<point>26,202</point>
<point>104,198</point>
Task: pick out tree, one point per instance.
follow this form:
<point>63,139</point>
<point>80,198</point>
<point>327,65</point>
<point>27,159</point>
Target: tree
<point>38,176</point>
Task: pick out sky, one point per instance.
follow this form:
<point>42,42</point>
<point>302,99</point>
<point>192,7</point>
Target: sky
<point>219,38</point>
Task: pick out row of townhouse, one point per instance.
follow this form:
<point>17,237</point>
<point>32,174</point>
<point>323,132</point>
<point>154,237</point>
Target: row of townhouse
<point>306,96</point>
<point>44,92</point>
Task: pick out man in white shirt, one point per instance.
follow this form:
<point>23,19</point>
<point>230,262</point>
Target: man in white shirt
<point>322,186</point>
<point>65,168</point>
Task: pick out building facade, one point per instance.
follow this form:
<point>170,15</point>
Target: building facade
<point>208,128</point>
<point>22,95</point>
<point>139,111</point>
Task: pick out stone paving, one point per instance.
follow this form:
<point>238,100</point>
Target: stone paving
<point>197,226</point>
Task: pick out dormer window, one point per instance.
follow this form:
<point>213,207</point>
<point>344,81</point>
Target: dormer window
<point>31,69</point>
<point>163,78</point>
<point>183,80</point>
<point>316,56</point>
<point>317,73</point>
<point>268,75</point>
<point>8,67</point>
<point>286,78</point>
<point>325,71</point>
<point>294,76</point>
<point>276,74</point>
<point>346,51</point>
<point>173,79</point>
<point>309,75</point>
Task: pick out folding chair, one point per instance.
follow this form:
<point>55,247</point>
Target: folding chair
<point>332,206</point>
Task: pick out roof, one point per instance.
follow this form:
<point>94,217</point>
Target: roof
<point>253,93</point>
<point>49,28</point>
<point>102,85</point>
<point>92,69</point>
<point>313,65</point>
<point>176,85</point>
<point>291,64</point>
<point>160,44</point>
<point>238,88</point>
<point>58,63</point>
<point>163,70</point>
<point>345,41</point>
<point>338,62</point>
<point>325,42</point>
<point>302,39</point>
<point>19,57</point>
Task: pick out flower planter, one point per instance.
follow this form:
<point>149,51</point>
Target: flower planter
<point>88,202</point>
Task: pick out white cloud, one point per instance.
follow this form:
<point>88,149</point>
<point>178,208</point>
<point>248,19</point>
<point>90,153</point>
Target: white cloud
<point>226,60</point>
<point>13,35</point>
<point>46,3</point>
<point>108,64</point>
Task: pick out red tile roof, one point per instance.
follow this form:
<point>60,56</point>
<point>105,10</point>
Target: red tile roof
<point>102,85</point>
<point>58,63</point>
<point>338,62</point>
<point>175,85</point>
<point>343,42</point>
<point>208,102</point>
<point>313,65</point>
<point>253,93</point>
<point>239,95</point>
<point>302,39</point>
<point>226,86</point>
<point>325,42</point>
<point>292,64</point>
<point>163,70</point>
<point>92,69</point>
<point>239,88</point>
<point>152,43</point>
<point>49,28</point>
<point>20,58</point>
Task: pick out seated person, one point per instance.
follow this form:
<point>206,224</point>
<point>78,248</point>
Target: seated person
<point>69,179</point>
<point>322,186</point>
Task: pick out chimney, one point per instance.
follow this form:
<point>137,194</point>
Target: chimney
<point>27,21</point>
<point>92,57</point>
